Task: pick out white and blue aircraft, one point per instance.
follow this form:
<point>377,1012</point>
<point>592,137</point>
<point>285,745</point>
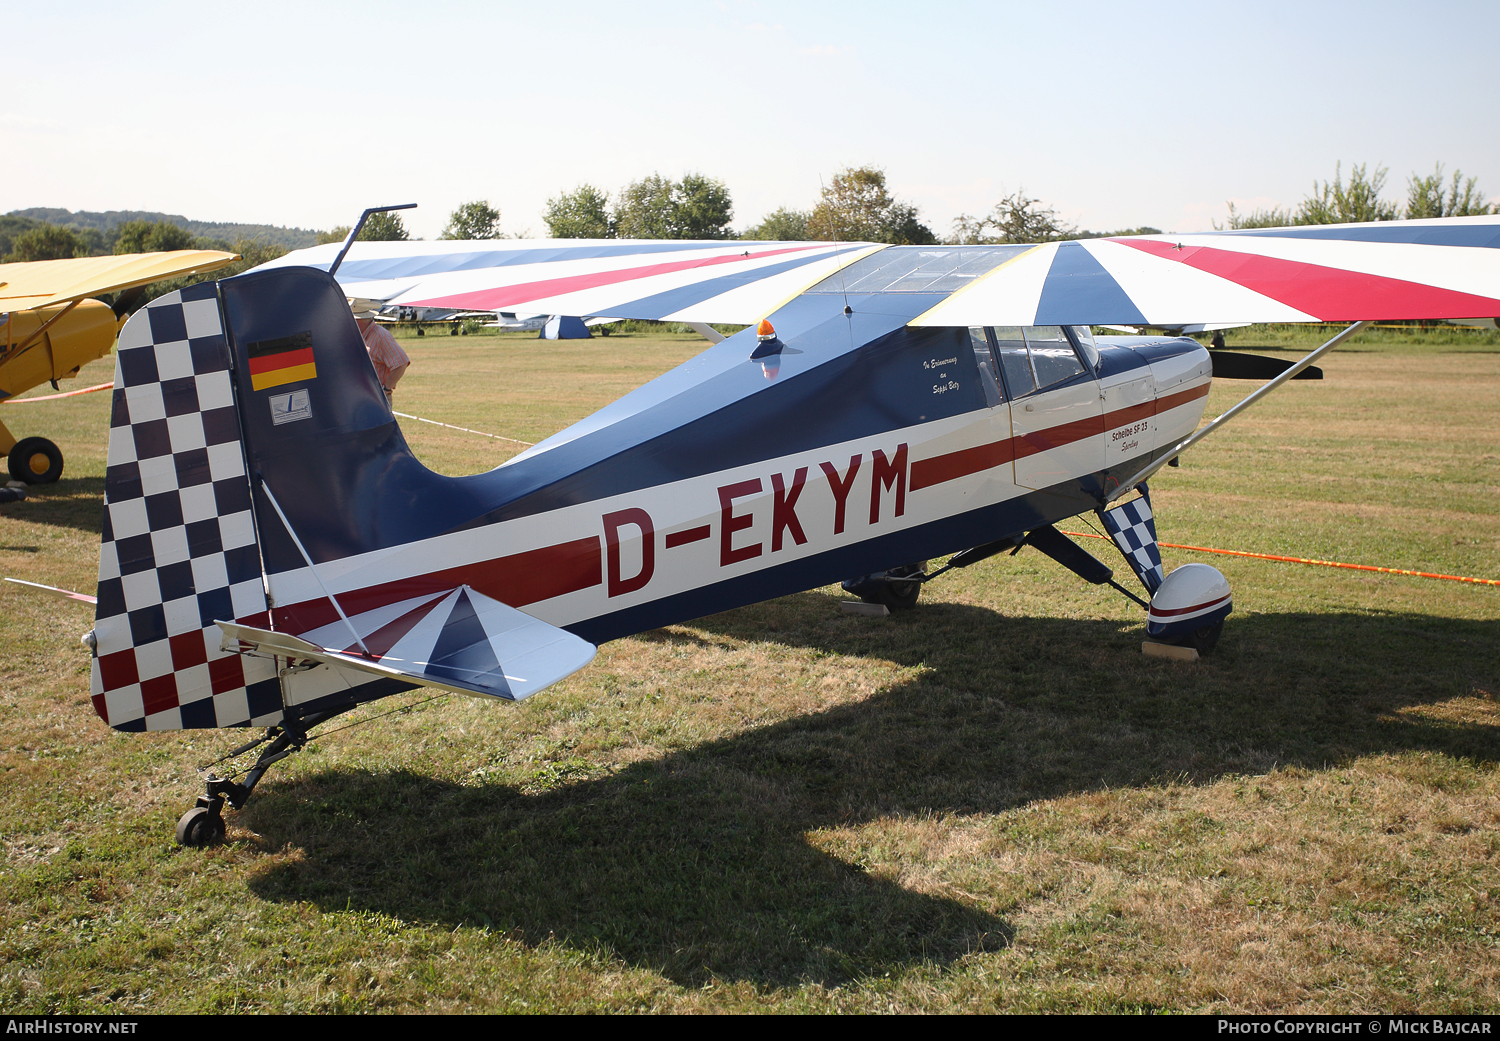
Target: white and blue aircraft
<point>273,554</point>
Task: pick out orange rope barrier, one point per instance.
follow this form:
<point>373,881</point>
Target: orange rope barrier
<point>54,397</point>
<point>1304,560</point>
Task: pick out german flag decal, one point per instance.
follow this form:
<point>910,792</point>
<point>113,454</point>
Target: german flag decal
<point>288,359</point>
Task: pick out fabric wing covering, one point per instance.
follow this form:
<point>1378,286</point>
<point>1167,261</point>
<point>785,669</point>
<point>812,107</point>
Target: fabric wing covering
<point>42,283</point>
<point>1428,269</point>
<point>732,282</point>
<point>459,640</point>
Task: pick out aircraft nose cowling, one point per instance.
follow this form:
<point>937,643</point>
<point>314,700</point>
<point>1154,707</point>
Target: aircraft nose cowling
<point>1194,597</point>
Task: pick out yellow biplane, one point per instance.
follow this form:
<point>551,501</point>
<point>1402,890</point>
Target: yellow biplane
<point>49,329</point>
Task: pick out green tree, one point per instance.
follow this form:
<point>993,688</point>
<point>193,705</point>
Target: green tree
<point>857,206</point>
<point>473,220</point>
<point>654,207</point>
<point>139,236</point>
<point>702,208</point>
<point>784,225</point>
<point>1425,196</point>
<point>1144,229</point>
<point>1275,217</point>
<point>643,210</point>
<point>92,242</point>
<point>333,235</point>
<point>582,213</point>
<point>383,227</point>
<point>1015,218</point>
<point>12,227</point>
<point>48,242</point>
<point>1333,202</point>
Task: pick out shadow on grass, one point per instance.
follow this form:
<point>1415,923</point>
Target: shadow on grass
<point>697,865</point>
<point>70,502</point>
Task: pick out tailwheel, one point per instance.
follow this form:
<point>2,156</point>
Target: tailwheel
<point>35,460</point>
<point>200,826</point>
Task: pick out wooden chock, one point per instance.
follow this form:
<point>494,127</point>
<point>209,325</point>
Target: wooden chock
<point>1152,649</point>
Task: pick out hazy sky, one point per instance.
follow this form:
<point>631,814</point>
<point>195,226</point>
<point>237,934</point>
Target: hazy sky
<point>1118,114</point>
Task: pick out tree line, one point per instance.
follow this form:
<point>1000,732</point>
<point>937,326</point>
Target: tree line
<point>856,204</point>
<point>1334,202</point>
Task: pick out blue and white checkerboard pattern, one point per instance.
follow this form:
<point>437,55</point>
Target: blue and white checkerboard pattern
<point>179,548</point>
<point>1133,529</point>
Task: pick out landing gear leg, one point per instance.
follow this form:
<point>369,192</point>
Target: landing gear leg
<point>203,825</point>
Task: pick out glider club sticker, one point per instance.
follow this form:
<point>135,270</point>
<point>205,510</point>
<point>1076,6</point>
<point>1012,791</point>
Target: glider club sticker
<point>288,408</point>
<point>287,359</point>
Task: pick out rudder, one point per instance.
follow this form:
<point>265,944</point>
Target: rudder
<point>179,545</point>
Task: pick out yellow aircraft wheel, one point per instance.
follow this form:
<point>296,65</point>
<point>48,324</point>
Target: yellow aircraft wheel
<point>35,460</point>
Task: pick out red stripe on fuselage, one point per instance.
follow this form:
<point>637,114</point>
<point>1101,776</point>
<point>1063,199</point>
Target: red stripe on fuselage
<point>504,296</point>
<point>517,580</point>
<point>1329,294</point>
<point>941,468</point>
<point>1039,441</point>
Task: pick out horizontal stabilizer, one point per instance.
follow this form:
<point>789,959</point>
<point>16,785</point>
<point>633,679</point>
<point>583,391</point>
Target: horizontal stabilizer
<point>1231,365</point>
<point>460,640</point>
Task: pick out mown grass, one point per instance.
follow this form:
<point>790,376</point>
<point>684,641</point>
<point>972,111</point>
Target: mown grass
<point>991,803</point>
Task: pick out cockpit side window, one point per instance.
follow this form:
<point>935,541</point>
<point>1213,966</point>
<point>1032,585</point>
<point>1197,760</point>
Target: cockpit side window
<point>989,376</point>
<point>1053,358</point>
<point>1015,363</point>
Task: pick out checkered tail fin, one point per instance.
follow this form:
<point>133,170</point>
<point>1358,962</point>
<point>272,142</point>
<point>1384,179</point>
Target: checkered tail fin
<point>1133,529</point>
<point>179,547</point>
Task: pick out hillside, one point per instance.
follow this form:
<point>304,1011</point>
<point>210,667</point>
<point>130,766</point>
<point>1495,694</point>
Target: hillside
<point>107,221</point>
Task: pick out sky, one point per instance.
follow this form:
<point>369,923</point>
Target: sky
<point>1117,114</point>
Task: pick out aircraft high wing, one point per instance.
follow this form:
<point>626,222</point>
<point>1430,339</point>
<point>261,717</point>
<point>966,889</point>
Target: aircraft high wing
<point>1440,268</point>
<point>49,330</point>
<point>274,554</point>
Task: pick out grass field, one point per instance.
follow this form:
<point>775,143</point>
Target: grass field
<point>991,803</point>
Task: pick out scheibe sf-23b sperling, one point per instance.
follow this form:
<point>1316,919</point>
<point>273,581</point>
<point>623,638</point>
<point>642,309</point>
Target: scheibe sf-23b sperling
<point>273,553</point>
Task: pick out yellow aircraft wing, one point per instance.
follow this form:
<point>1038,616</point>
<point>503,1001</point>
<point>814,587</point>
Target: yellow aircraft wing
<point>41,283</point>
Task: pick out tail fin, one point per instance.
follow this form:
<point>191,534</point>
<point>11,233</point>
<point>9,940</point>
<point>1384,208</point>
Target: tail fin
<point>250,442</point>
<point>179,546</point>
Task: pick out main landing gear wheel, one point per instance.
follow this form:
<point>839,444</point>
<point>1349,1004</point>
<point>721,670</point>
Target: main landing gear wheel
<point>893,589</point>
<point>1204,640</point>
<point>35,460</point>
<point>200,826</point>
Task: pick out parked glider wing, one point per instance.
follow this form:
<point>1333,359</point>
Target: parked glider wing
<point>41,283</point>
<point>460,640</point>
<point>688,281</point>
<point>1421,269</point>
